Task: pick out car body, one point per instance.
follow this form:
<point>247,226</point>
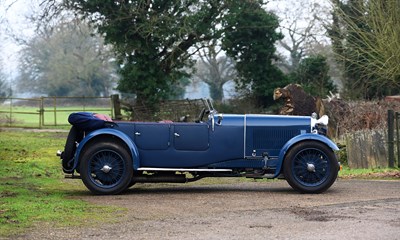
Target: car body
<point>112,156</point>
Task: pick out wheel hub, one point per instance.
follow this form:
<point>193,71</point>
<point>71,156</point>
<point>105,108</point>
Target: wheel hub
<point>310,167</point>
<point>106,169</point>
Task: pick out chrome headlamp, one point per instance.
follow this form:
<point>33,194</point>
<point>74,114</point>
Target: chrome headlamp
<point>319,126</point>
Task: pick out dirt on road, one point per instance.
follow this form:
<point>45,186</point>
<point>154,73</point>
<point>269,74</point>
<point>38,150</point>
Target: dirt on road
<point>350,209</point>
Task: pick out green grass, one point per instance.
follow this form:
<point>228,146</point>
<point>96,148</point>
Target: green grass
<point>32,188</point>
<point>376,173</point>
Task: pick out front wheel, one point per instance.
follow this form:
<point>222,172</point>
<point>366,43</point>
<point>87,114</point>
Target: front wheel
<point>106,168</point>
<point>310,167</point>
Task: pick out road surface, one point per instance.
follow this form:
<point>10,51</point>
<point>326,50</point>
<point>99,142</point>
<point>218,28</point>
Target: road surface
<point>350,209</point>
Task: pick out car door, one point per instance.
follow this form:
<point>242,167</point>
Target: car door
<point>191,137</point>
<point>152,136</point>
<point>172,145</point>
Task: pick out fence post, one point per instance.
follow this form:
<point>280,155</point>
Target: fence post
<point>11,107</point>
<point>390,122</point>
<point>41,112</point>
<point>55,110</point>
<point>116,106</point>
<point>397,138</point>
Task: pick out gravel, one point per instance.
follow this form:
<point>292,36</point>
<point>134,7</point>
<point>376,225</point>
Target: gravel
<point>350,209</point>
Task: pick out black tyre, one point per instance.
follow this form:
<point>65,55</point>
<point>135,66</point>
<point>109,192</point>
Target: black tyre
<point>67,156</point>
<point>310,167</point>
<point>106,168</point>
<point>133,182</point>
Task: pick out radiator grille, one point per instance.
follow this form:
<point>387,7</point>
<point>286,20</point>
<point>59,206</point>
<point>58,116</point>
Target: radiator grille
<point>272,138</point>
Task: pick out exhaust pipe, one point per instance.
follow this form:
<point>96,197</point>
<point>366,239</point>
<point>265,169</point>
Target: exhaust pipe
<point>160,179</point>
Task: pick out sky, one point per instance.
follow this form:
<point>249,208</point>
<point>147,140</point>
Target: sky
<point>13,22</point>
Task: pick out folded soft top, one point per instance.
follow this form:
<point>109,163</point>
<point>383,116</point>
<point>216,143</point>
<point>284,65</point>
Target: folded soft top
<point>88,121</point>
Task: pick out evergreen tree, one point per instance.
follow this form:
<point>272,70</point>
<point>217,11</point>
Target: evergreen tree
<point>249,38</point>
<point>154,41</point>
<point>312,75</point>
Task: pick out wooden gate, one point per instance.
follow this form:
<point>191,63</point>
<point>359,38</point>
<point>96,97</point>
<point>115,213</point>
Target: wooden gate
<point>48,111</point>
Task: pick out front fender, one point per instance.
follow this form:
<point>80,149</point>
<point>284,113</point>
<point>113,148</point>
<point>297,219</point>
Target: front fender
<point>300,138</point>
<point>111,132</point>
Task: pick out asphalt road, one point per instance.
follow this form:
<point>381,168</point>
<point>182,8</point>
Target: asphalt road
<point>350,209</point>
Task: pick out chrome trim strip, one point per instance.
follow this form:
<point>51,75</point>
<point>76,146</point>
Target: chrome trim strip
<point>184,169</point>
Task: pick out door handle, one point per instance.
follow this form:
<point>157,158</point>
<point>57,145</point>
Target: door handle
<point>177,135</point>
<point>137,133</point>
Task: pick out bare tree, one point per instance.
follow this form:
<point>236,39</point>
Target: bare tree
<point>67,59</point>
<point>215,69</point>
<point>300,23</point>
<point>5,89</point>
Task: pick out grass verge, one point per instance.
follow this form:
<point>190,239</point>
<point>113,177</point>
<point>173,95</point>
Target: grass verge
<point>32,190</point>
<point>376,173</point>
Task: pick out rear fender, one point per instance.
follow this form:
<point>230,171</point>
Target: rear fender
<point>301,138</point>
<point>109,132</point>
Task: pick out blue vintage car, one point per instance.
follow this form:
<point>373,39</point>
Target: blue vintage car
<point>110,157</point>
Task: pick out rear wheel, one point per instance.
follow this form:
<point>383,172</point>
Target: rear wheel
<point>310,167</point>
<point>106,168</point>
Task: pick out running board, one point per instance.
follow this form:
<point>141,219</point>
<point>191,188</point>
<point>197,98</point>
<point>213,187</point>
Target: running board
<point>184,169</point>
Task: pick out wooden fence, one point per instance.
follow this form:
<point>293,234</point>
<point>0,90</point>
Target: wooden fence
<point>367,149</point>
<point>375,148</point>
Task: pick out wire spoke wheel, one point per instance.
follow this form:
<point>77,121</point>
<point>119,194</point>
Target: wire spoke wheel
<point>106,167</point>
<point>310,167</point>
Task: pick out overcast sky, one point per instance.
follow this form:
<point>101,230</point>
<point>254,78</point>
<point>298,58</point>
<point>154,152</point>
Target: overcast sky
<point>13,22</point>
